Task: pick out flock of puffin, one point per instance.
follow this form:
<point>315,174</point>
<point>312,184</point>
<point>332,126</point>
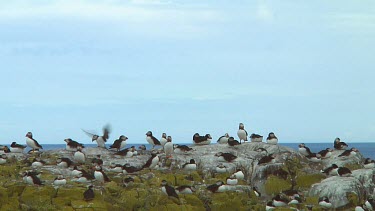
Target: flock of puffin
<point>118,147</point>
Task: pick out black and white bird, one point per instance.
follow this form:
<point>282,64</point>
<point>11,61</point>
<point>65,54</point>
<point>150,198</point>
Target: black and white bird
<point>117,168</point>
<point>218,187</point>
<point>38,163</point>
<point>272,139</point>
<point>369,163</point>
<point>3,159</point>
<point>97,160</point>
<point>152,140</point>
<point>100,175</point>
<point>16,148</point>
<point>295,199</point>
<point>100,140</point>
<point>256,192</point>
<point>239,174</point>
<point>256,138</point>
<point>152,162</point>
<point>225,156</point>
<point>303,149</point>
<point>232,180</point>
<point>142,149</point>
<point>270,206</point>
<point>190,166</point>
<point>32,143</point>
<point>221,168</point>
<point>338,144</point>
<point>326,153</point>
<point>324,202</point>
<point>128,152</point>
<point>267,159</point>
<point>128,181</point>
<point>89,194</point>
<point>64,162</point>
<point>232,142</point>
<point>223,139</point>
<point>119,143</point>
<point>201,140</point>
<point>31,178</point>
<point>163,139</point>
<point>344,172</point>
<point>185,189</point>
<point>179,149</point>
<point>129,169</point>
<point>370,203</point>
<point>280,200</point>
<point>79,156</point>
<point>349,153</point>
<point>72,145</point>
<point>168,147</point>
<point>59,181</point>
<point>314,157</point>
<point>242,133</point>
<point>168,190</point>
<point>332,170</point>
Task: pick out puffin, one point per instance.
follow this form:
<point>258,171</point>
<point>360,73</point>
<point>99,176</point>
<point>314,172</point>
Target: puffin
<point>31,178</point>
<point>242,133</point>
<point>191,166</point>
<point>64,162</point>
<point>369,163</point>
<point>225,156</point>
<point>267,159</point>
<point>128,169</point>
<point>324,202</point>
<point>256,137</point>
<point>119,143</point>
<point>314,157</point>
<point>79,156</point>
<point>221,168</point>
<point>339,145</point>
<point>100,175</point>
<point>326,153</point>
<point>168,190</point>
<point>97,160</point>
<point>37,163</point>
<point>100,140</point>
<point>218,187</point>
<point>16,148</point>
<point>256,192</point>
<point>32,143</point>
<point>270,206</point>
<point>77,171</point>
<point>128,181</point>
<point>72,145</point>
<point>185,189</point>
<point>370,203</point>
<point>223,139</point>
<point>3,159</point>
<point>181,149</point>
<point>361,208</point>
<point>6,149</point>
<point>295,199</point>
<point>344,172</point>
<point>89,194</point>
<point>152,140</point>
<point>332,170</point>
<point>349,153</point>
<point>152,162</point>
<point>117,168</point>
<point>280,201</point>
<point>272,139</point>
<point>59,181</point>
<point>168,147</point>
<point>202,140</point>
<point>163,139</point>
<point>303,149</point>
<point>239,174</point>
<point>128,152</point>
<point>142,149</point>
<point>232,142</point>
<point>232,180</point>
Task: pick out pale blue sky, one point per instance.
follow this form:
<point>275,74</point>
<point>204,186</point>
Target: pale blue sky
<point>302,69</point>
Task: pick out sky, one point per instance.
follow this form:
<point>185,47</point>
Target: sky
<point>301,69</point>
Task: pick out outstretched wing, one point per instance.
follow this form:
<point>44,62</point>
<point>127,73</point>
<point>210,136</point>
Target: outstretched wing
<point>88,133</point>
<point>106,131</point>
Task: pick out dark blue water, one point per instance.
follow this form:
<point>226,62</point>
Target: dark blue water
<point>367,149</point>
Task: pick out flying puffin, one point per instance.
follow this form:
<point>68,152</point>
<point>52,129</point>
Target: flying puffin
<point>152,161</point>
<point>344,172</point>
<point>72,145</point>
<point>191,166</point>
<point>337,144</point>
<point>79,156</point>
<point>232,142</point>
<point>324,202</point>
<point>169,190</point>
<point>332,170</point>
<point>223,139</point>
<point>163,139</point>
<point>303,149</point>
<point>181,149</point>
<point>349,153</point>
<point>17,148</point>
<point>32,143</point>
<point>218,187</point>
<point>185,189</point>
<point>202,140</point>
<point>100,175</point>
<point>100,140</point>
<point>168,147</point>
<point>89,194</point>
<point>326,153</point>
<point>119,143</point>
<point>369,163</point>
<point>64,162</point>
<point>242,133</point>
<point>232,180</point>
<point>272,139</point>
<point>59,181</point>
<point>256,138</point>
<point>225,157</point>
<point>152,140</point>
<point>267,159</point>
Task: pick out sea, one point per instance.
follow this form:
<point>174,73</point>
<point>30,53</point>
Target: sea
<point>366,149</point>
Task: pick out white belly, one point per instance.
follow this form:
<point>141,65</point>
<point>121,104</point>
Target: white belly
<point>36,164</point>
<point>31,143</point>
<point>272,141</point>
<point>163,189</point>
<point>79,157</point>
<point>186,191</point>
<point>279,203</point>
<point>129,154</point>
<point>116,169</point>
<point>62,165</point>
<point>221,170</point>
<point>163,141</point>
<point>76,173</point>
<point>221,159</point>
<point>315,159</point>
<point>82,180</point>
<point>16,150</point>
<point>303,151</point>
<point>260,139</point>
<point>99,176</point>
<point>242,135</point>
<point>59,182</point>
<point>232,181</point>
<point>191,167</point>
<point>223,140</point>
<point>29,180</point>
<point>100,142</point>
<point>207,142</point>
<point>328,155</point>
<point>222,188</point>
<point>168,148</point>
<point>154,162</point>
<point>239,175</point>
<point>149,140</point>
<point>71,149</point>
<point>123,144</point>
<point>325,204</point>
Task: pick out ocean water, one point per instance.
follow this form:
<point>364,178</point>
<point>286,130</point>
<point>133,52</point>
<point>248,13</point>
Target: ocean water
<point>367,149</point>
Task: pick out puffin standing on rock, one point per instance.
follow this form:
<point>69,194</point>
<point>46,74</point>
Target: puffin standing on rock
<point>272,139</point>
<point>239,174</point>
<point>17,148</point>
<point>332,170</point>
<point>326,153</point>
<point>119,143</point>
<point>314,157</point>
<point>344,172</point>
<point>256,138</point>
<point>72,145</point>
<point>225,157</point>
<point>303,149</point>
<point>339,145</point>
<point>163,139</point>
<point>79,156</point>
<point>223,139</point>
<point>168,147</point>
<point>32,143</point>
<point>152,162</point>
<point>202,140</point>
<point>152,140</point>
<point>242,133</point>
<point>221,168</point>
